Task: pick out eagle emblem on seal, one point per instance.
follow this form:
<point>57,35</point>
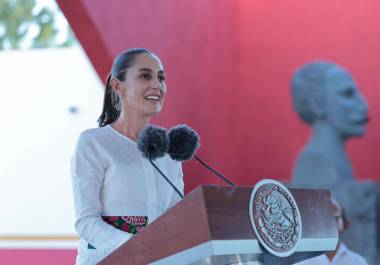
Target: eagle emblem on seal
<point>275,217</point>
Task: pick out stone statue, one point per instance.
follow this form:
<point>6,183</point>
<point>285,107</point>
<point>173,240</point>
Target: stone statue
<point>326,97</point>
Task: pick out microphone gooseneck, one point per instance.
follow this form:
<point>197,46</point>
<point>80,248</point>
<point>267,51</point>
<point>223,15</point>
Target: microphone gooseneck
<point>214,171</point>
<point>153,143</point>
<point>167,180</point>
<point>184,142</point>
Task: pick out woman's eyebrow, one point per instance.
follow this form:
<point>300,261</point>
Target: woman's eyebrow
<point>150,70</point>
<point>145,70</point>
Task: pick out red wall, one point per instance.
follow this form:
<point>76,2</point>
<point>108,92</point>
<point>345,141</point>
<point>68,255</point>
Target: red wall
<point>37,256</point>
<point>276,37</point>
<point>229,64</point>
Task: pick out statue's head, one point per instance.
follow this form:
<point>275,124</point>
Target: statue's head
<point>325,92</point>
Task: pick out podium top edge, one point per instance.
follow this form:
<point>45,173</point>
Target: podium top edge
<point>226,186</point>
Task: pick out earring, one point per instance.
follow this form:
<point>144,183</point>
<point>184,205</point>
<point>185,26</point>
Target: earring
<point>116,101</point>
<point>118,104</point>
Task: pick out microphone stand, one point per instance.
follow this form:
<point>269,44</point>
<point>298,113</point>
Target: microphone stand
<point>167,180</point>
<point>214,171</point>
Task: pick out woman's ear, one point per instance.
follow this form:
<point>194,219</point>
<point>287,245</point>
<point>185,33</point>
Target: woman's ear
<point>116,86</point>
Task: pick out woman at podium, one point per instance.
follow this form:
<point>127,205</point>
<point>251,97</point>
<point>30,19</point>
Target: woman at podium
<point>117,192</point>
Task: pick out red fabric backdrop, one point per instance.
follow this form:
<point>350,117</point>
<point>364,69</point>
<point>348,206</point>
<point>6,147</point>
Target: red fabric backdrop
<point>228,66</point>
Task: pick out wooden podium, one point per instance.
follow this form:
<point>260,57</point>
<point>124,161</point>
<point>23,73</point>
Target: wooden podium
<point>211,225</point>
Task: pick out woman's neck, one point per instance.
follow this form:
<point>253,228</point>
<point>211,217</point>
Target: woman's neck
<point>130,125</point>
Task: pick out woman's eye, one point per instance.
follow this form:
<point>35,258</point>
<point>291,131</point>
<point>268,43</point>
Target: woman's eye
<point>146,76</point>
<point>161,78</point>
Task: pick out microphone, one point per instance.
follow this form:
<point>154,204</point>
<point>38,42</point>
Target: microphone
<point>153,143</point>
<point>184,142</point>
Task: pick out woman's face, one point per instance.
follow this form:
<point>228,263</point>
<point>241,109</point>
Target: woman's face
<point>143,90</point>
<point>347,110</point>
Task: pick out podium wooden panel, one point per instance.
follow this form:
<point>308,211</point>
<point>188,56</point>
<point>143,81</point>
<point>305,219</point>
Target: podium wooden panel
<point>211,225</point>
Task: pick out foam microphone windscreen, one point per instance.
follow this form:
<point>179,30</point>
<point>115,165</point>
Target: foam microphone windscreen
<point>184,142</point>
<point>153,142</point>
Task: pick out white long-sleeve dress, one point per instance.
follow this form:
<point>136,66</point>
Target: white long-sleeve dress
<point>111,179</point>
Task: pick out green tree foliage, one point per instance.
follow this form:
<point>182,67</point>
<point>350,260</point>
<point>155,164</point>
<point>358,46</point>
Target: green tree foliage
<point>22,25</point>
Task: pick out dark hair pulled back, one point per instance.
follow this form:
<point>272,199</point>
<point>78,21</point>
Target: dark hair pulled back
<point>111,104</point>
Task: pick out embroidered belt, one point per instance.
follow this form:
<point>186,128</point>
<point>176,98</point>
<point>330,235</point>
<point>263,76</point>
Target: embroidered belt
<point>129,224</point>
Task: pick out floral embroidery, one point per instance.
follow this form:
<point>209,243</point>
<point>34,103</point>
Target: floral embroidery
<point>129,224</point>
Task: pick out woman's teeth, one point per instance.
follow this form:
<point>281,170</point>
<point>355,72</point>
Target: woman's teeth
<point>156,98</point>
